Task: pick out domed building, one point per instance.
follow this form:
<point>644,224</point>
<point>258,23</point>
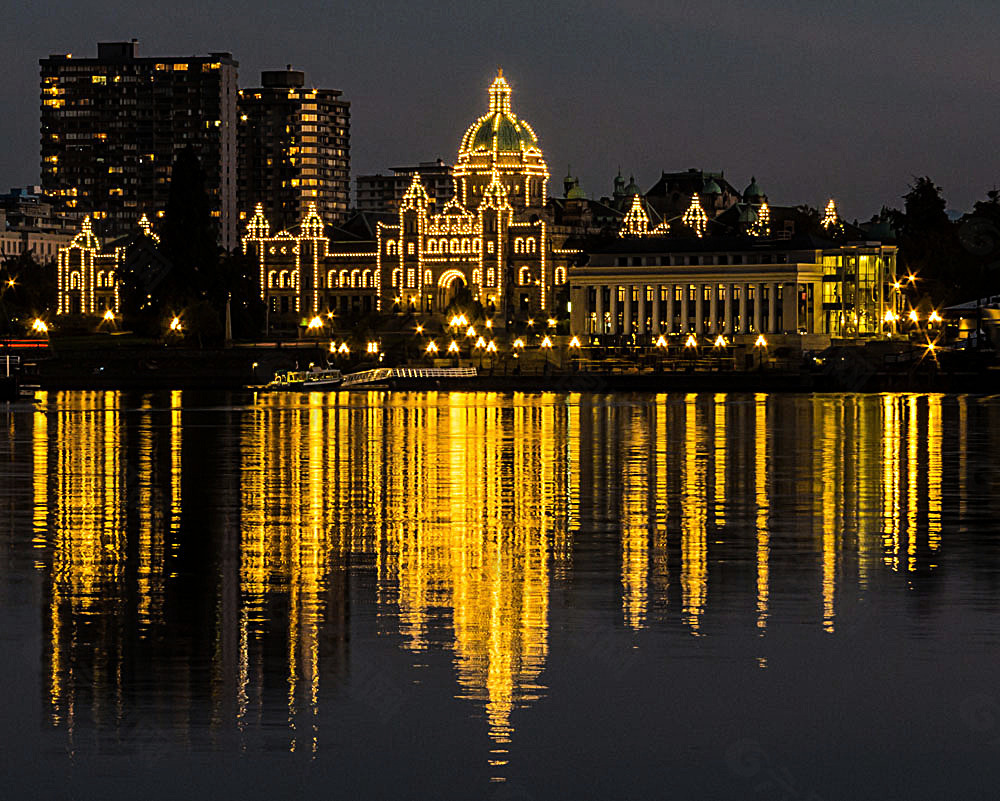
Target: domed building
<point>492,243</point>
<point>500,143</point>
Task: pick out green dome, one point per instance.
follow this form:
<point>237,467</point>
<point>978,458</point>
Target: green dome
<point>633,187</point>
<point>753,190</point>
<point>576,193</point>
<point>711,188</point>
<point>500,132</point>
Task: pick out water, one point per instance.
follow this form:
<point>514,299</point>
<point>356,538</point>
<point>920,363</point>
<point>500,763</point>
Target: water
<point>491,596</point>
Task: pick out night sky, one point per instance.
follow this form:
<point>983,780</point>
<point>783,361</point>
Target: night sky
<point>849,99</point>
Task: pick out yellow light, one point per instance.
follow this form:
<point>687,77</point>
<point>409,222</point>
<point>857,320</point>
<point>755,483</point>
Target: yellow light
<point>344,348</point>
<point>518,343</point>
<point>546,343</point>
<point>175,324</point>
<point>471,332</point>
<point>453,322</point>
<point>574,342</point>
<point>896,285</point>
<point>489,324</point>
<point>935,317</point>
<point>109,316</point>
<point>691,342</point>
<point>761,342</point>
<point>830,217</point>
<point>552,322</point>
<point>491,347</point>
<point>914,317</point>
<point>333,347</point>
<point>531,322</point>
<point>420,328</point>
<point>39,326</point>
<point>661,341</point>
<point>931,346</point>
<point>315,323</point>
<point>462,320</point>
<point>720,341</point>
<point>453,347</point>
<point>10,282</point>
<point>432,347</point>
<point>911,278</point>
<point>372,347</point>
<point>480,343</point>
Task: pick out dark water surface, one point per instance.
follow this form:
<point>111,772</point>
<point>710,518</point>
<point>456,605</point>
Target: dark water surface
<point>492,596</point>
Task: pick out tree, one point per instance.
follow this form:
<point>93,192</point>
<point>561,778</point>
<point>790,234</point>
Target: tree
<point>928,245</point>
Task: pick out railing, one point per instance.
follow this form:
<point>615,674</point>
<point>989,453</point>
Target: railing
<point>388,373</point>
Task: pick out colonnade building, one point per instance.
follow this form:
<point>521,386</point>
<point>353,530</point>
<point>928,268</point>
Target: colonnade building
<point>633,289</point>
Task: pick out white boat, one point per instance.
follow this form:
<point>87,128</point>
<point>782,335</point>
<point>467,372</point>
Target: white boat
<point>306,379</point>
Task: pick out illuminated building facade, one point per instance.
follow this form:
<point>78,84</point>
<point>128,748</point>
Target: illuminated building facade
<point>384,193</point>
<point>112,125</point>
<point>638,286</point>
<point>294,149</point>
<point>491,240</point>
<point>88,276</point>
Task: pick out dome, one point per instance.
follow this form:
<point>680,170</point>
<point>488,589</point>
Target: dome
<point>753,190</point>
<point>711,188</point>
<point>576,193</point>
<point>633,187</point>
<point>499,131</point>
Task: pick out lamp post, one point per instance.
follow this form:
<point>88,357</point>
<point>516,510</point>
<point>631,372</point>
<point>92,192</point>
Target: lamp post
<point>574,351</point>
<point>546,347</point>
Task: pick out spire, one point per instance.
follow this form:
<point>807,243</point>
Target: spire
<point>495,195</point>
<point>312,224</point>
<point>258,227</point>
<point>695,216</point>
<point>147,228</point>
<point>636,222</point>
<point>416,196</point>
<point>499,95</point>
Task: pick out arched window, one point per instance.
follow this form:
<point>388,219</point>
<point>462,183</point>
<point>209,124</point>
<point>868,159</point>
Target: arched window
<point>428,277</point>
<point>74,280</point>
<point>270,279</point>
<point>366,278</point>
<point>295,279</point>
<point>519,245</point>
<point>476,246</point>
<point>355,276</point>
<point>283,279</point>
<point>390,248</point>
<point>524,276</point>
<point>100,279</point>
<point>491,277</point>
<point>343,279</point>
<point>411,249</point>
<point>529,245</point>
<point>331,279</point>
<point>453,245</point>
<point>432,246</point>
<point>397,277</point>
<point>110,279</point>
<point>560,275</point>
<point>477,276</point>
<point>465,246</point>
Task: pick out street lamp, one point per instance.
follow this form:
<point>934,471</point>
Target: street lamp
<point>432,347</point>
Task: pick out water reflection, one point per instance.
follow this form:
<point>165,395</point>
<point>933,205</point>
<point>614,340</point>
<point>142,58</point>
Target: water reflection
<point>204,564</point>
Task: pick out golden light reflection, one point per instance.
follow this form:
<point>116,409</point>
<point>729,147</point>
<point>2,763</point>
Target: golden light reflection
<point>457,523</point>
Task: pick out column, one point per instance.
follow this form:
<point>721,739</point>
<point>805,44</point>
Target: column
<point>758,302</point>
<point>699,309</point>
<point>685,311</point>
<point>640,324</point>
<point>600,309</point>
<point>790,309</point>
<point>613,328</point>
<point>772,309</point>
<point>656,311</point>
<point>742,329</point>
<point>727,324</point>
<point>627,315</point>
<point>671,289</point>
<point>713,309</point>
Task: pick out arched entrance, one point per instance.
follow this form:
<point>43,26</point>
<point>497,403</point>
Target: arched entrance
<point>450,284</point>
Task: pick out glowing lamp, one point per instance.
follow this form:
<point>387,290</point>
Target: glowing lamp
<point>491,347</point>
<point>109,316</point>
<point>546,343</point>
<point>914,317</point>
<point>552,322</point>
<point>531,322</point>
<point>574,342</point>
<point>343,348</point>
<point>39,326</point>
<point>315,323</point>
<point>761,342</point>
<point>432,347</point>
<point>935,317</point>
<point>175,324</point>
<point>518,343</point>
<point>471,332</point>
<point>453,347</point>
<point>480,343</point>
<point>420,329</point>
<point>661,341</point>
<point>691,342</point>
<point>720,341</point>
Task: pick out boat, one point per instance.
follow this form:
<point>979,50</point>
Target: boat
<point>305,380</point>
<point>406,377</point>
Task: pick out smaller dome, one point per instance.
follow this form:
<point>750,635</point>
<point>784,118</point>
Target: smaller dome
<point>576,193</point>
<point>711,188</point>
<point>633,187</point>
<point>753,190</point>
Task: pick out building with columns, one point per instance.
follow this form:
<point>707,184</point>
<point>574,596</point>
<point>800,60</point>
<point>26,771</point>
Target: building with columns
<point>803,289</point>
